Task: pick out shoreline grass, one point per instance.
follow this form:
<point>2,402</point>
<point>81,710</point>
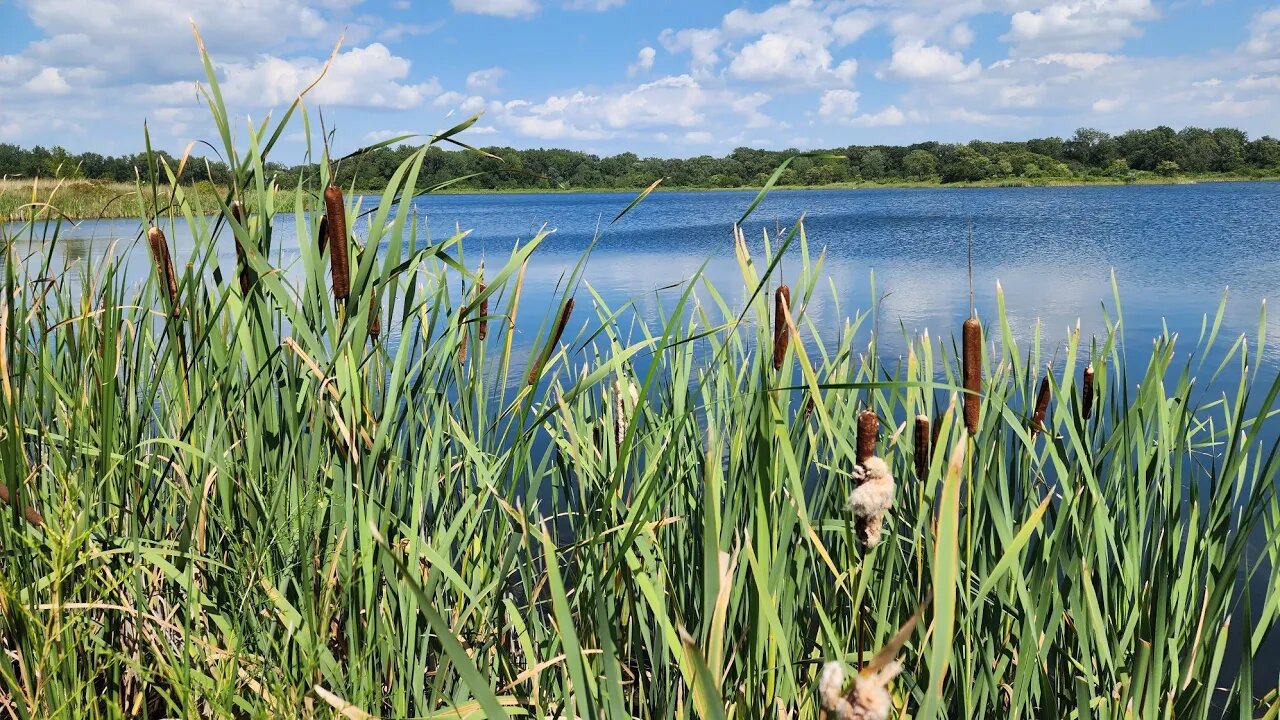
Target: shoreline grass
<point>93,199</point>
<point>251,508</point>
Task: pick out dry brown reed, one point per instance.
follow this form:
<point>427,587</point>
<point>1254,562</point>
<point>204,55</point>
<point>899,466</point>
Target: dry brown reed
<point>336,213</point>
<point>164,266</point>
<point>781,337</point>
<point>972,358</point>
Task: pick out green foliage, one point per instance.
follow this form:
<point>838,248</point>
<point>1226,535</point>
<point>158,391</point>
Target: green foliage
<point>920,164</point>
<point>251,509</point>
<point>1167,168</point>
<point>964,164</point>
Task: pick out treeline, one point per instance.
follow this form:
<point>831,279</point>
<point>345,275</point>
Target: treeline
<point>1088,154</point>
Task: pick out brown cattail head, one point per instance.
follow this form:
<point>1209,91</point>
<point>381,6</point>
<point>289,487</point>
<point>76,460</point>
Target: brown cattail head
<point>924,447</point>
<point>164,266</point>
<point>868,429</point>
<point>336,213</point>
<point>1086,393</point>
<point>1042,404</point>
<point>246,275</point>
<point>781,337</point>
<point>322,238</point>
<point>31,514</point>
<point>535,372</point>
<point>375,318</point>
<point>483,331</point>
<point>462,342</point>
<point>972,348</point>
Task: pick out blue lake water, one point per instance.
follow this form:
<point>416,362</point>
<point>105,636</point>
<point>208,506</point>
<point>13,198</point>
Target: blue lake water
<point>1174,250</point>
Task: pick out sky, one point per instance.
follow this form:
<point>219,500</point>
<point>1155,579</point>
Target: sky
<point>672,78</point>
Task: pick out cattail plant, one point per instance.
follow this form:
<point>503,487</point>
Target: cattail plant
<point>1086,393</point>
<point>867,699</point>
<point>924,447</point>
<point>336,214</point>
<point>562,322</point>
<point>972,359</point>
<point>1042,404</point>
<point>482,331</point>
<point>246,274</point>
<point>375,317</point>
<point>781,303</point>
<point>164,266</point>
<point>31,514</point>
<point>462,341</point>
<point>872,494</point>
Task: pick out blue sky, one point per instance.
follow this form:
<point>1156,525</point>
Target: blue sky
<point>656,77</point>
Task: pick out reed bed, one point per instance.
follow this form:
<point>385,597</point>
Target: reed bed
<point>249,509</point>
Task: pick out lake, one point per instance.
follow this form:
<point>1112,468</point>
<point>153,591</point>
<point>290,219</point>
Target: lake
<point>1174,250</point>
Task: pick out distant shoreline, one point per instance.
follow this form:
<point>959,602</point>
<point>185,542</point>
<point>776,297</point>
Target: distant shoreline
<point>85,200</point>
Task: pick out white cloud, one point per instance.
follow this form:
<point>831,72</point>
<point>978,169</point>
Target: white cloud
<point>851,26</point>
<point>500,8</point>
<point>698,137</point>
<point>886,117</point>
<point>962,35</point>
<point>1264,33</point>
<point>1089,25</point>
<point>361,77</point>
<point>485,80</point>
<point>791,58</point>
<point>376,136</point>
<point>838,103</point>
<point>1106,105</point>
<point>703,45</point>
<point>917,61</point>
<point>48,81</point>
<point>644,61</point>
<point>456,101</point>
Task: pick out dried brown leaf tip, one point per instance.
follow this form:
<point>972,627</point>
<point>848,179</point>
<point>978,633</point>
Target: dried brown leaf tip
<point>972,370</point>
<point>923,447</point>
<point>1086,393</point>
<point>164,267</point>
<point>336,215</point>
<point>873,490</point>
<point>781,335</point>
<point>1042,404</point>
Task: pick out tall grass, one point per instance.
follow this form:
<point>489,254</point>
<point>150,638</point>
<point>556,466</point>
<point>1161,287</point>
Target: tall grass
<point>250,509</point>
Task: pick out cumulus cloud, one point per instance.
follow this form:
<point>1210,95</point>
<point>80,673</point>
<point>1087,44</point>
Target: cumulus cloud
<point>644,61</point>
<point>918,61</point>
<point>838,103</point>
<point>790,58</point>
<point>485,80</point>
<point>1089,25</point>
<point>595,5</point>
<point>362,77</point>
<point>889,116</point>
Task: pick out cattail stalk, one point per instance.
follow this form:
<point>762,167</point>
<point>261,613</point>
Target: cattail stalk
<point>1086,393</point>
<point>164,266</point>
<point>972,349</point>
<point>246,274</point>
<point>924,447</point>
<point>1042,405</point>
<point>781,336</point>
<point>535,372</point>
<point>336,213</point>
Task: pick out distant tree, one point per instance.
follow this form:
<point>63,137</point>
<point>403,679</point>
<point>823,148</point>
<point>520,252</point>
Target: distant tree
<point>1263,152</point>
<point>1229,144</point>
<point>1051,147</point>
<point>1091,147</point>
<point>873,165</point>
<point>1167,168</point>
<point>920,164</point>
<point>1118,168</point>
<point>966,165</point>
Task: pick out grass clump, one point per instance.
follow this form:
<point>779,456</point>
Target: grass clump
<point>249,509</point>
